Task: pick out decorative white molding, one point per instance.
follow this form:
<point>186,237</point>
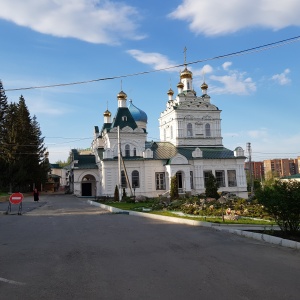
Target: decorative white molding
<point>178,159</point>
<point>197,153</point>
<point>127,129</point>
<point>148,153</point>
<point>239,151</point>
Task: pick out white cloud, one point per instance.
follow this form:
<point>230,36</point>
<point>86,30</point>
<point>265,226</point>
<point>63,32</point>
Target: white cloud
<point>156,60</point>
<point>282,78</point>
<point>226,65</point>
<point>94,21</point>
<point>234,83</point>
<point>217,17</point>
<point>206,69</point>
<point>258,133</point>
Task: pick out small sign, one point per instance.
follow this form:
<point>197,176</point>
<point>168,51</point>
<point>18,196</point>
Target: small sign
<point>16,198</point>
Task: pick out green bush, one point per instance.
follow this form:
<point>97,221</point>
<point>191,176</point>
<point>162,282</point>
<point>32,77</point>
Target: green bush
<point>281,200</point>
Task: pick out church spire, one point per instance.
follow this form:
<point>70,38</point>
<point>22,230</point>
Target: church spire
<point>186,76</point>
<point>122,98</point>
<point>184,51</point>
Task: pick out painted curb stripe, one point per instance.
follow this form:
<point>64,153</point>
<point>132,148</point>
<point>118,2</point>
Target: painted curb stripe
<point>11,281</point>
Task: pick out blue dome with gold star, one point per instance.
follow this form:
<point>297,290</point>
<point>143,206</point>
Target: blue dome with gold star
<point>137,114</point>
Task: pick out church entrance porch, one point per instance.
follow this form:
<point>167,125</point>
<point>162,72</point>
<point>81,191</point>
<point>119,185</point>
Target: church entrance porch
<point>88,186</point>
<point>86,189</point>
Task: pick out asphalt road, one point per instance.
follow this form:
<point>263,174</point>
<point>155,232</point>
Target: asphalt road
<point>63,248</point>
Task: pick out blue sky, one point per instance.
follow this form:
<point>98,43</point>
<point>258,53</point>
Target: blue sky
<point>48,42</point>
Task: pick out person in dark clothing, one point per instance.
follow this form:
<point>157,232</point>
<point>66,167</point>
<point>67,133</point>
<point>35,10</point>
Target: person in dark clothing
<point>36,195</point>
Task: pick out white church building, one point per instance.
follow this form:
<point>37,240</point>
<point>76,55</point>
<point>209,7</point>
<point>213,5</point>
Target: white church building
<point>190,148</point>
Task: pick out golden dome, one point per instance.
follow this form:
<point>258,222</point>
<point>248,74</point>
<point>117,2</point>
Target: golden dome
<point>204,86</point>
<point>170,92</point>
<point>107,113</point>
<point>180,85</point>
<point>186,73</point>
<point>122,95</point>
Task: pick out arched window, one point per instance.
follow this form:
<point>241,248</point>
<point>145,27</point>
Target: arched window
<point>171,132</point>
<point>135,179</point>
<point>123,180</point>
<point>127,150</point>
<point>189,129</point>
<point>207,130</point>
<point>188,85</point>
<point>134,151</point>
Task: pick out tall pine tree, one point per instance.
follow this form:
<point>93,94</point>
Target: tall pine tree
<point>3,110</point>
<point>23,149</point>
<point>10,146</point>
<point>3,113</point>
<point>41,174</point>
<point>26,159</point>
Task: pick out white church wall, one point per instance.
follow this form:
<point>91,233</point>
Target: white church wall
<point>78,177</point>
<point>200,166</point>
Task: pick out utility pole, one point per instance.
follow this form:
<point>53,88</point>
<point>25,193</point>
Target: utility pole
<point>250,169</point>
<point>119,165</point>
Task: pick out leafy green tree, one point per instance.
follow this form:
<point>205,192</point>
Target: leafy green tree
<point>63,163</point>
<point>211,187</point>
<point>271,177</point>
<point>174,188</point>
<point>256,184</point>
<point>281,200</point>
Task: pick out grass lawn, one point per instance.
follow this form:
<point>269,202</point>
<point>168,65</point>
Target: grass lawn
<point>214,219</point>
<point>130,206</point>
<point>139,207</point>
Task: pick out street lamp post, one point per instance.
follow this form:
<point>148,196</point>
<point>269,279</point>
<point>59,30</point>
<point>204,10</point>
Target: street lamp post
<point>250,169</point>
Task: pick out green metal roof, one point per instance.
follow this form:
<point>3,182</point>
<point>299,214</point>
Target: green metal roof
<point>106,126</point>
<point>166,150</point>
<point>295,176</point>
<point>85,161</point>
<point>123,118</point>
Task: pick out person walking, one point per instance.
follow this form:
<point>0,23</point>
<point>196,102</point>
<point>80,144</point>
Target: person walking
<point>36,195</point>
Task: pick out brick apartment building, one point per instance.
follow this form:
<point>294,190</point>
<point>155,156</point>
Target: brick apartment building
<point>257,169</point>
<point>279,167</point>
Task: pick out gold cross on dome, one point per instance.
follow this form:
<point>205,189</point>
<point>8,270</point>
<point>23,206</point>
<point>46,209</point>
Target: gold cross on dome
<point>184,51</point>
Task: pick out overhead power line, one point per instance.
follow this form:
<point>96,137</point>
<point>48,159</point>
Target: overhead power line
<point>238,53</point>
